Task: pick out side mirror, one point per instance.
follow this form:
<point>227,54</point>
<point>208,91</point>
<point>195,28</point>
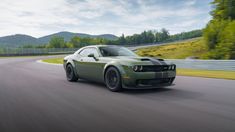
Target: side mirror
<point>91,55</point>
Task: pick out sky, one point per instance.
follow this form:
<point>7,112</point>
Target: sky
<point>42,17</point>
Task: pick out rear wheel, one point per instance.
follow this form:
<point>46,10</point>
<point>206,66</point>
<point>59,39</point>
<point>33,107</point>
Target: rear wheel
<point>113,79</point>
<point>70,73</point>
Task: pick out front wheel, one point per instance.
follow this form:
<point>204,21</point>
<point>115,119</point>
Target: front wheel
<point>113,79</point>
<point>70,73</point>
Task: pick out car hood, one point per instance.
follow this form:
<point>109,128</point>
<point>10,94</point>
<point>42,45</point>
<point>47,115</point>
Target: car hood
<point>139,60</point>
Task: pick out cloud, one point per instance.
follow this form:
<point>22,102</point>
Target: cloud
<point>42,17</point>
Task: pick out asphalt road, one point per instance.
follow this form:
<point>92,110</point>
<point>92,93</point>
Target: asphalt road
<point>36,97</point>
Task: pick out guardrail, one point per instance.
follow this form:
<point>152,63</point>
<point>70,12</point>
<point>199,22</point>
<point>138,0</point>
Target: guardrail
<point>35,51</point>
<point>227,65</point>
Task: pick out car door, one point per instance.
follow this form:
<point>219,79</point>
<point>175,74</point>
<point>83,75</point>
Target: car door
<point>90,68</point>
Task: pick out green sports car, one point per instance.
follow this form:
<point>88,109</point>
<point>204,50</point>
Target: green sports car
<point>118,68</point>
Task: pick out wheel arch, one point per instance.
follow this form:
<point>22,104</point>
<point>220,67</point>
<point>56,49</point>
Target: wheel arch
<point>71,62</point>
<point>115,65</point>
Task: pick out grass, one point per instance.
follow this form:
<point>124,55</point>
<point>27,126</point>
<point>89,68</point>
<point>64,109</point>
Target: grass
<point>207,73</point>
<point>54,60</point>
<point>177,50</point>
<point>183,49</point>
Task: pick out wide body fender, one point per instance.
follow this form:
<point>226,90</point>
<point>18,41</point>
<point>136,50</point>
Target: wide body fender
<point>116,65</point>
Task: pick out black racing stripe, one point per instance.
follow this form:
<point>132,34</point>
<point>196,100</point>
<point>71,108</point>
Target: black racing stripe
<point>163,62</point>
<point>156,62</point>
<point>164,74</point>
<point>151,61</point>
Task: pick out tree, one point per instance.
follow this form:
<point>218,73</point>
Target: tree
<point>219,33</point>
<point>226,44</point>
<point>122,40</point>
<point>75,42</point>
<point>164,34</point>
<point>150,37</point>
<point>186,35</point>
<point>158,36</point>
<point>57,42</point>
<point>224,9</point>
<point>144,37</point>
<point>212,31</point>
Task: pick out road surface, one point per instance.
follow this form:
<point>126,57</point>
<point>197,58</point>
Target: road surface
<point>36,97</point>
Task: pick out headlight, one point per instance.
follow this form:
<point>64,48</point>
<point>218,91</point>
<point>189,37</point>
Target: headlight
<point>137,68</point>
<point>170,67</point>
<point>174,67</point>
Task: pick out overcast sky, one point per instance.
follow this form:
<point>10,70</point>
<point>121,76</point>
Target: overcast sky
<point>43,17</point>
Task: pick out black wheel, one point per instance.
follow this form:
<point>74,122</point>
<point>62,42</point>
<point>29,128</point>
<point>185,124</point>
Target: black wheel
<point>70,73</point>
<point>113,79</point>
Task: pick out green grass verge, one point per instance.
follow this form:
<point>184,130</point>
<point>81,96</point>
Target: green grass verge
<point>177,50</point>
<point>182,72</point>
<point>54,60</point>
<point>207,73</point>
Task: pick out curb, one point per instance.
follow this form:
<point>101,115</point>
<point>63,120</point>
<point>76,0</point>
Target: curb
<point>40,61</point>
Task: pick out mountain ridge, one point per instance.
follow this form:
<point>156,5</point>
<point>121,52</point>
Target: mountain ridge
<point>17,40</point>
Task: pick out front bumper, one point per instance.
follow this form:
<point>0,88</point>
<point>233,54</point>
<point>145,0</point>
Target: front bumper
<point>140,80</point>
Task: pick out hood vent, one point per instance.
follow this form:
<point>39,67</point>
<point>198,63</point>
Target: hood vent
<point>145,59</point>
<point>160,59</point>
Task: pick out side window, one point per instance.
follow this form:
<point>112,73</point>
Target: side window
<point>84,52</point>
<point>94,51</point>
<point>87,51</point>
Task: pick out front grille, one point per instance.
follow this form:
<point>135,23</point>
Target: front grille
<point>156,68</point>
<point>153,82</point>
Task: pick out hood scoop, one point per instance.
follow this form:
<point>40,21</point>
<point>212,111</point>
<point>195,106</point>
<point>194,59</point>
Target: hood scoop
<point>160,59</point>
<point>145,59</point>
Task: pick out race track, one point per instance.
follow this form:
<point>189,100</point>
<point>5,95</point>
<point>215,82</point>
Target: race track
<point>36,97</point>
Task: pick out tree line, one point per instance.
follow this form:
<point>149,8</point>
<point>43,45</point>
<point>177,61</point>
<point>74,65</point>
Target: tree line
<point>219,33</point>
<point>146,37</point>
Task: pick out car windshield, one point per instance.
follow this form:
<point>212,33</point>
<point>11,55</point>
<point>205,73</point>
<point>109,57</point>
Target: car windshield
<point>116,51</point>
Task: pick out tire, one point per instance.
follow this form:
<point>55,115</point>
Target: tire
<point>113,79</point>
<point>70,73</point>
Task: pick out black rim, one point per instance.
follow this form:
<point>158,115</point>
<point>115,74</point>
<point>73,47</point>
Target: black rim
<point>69,72</point>
<point>112,79</point>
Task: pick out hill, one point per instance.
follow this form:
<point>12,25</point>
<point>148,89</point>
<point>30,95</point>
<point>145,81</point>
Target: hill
<point>177,50</point>
<point>68,35</point>
<point>21,39</point>
<point>17,40</point>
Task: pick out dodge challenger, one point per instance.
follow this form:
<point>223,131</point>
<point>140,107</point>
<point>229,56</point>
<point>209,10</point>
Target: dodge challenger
<point>118,67</point>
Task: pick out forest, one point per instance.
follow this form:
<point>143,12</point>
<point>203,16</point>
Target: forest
<point>146,37</point>
<point>219,34</point>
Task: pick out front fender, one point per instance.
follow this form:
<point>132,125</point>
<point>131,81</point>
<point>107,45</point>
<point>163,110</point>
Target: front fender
<point>71,61</point>
<point>114,64</point>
